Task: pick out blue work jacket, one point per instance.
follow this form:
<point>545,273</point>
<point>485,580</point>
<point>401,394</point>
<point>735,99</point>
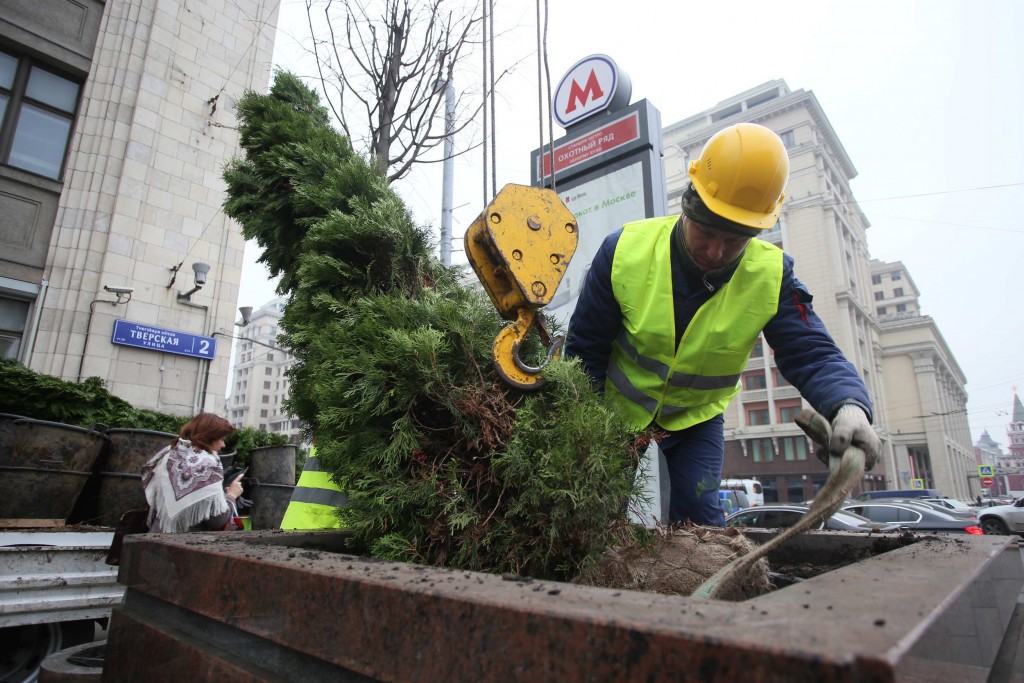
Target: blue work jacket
<point>805,352</point>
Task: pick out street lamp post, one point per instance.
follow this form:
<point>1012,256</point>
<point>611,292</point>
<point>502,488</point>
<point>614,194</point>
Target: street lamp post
<point>448,170</point>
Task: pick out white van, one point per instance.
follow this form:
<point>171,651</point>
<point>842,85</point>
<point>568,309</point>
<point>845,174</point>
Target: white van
<point>751,487</point>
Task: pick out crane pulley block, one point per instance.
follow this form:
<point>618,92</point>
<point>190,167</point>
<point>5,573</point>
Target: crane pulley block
<point>520,247</point>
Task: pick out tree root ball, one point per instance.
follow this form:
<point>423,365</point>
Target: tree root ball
<point>676,561</point>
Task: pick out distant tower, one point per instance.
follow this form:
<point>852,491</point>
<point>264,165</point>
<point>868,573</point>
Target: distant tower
<point>1015,431</point>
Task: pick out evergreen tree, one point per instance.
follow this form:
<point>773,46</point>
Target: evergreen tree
<point>443,462</point>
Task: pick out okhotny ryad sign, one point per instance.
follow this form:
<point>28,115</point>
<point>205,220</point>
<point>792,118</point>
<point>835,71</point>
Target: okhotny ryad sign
<point>158,339</point>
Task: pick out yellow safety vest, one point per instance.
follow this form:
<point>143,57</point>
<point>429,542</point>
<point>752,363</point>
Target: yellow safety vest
<point>314,500</point>
<point>649,379</point>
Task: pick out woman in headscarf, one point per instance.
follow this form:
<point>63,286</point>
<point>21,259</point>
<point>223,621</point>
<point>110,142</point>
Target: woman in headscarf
<point>184,481</point>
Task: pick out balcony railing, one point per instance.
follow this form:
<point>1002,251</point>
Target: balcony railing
<point>785,392</point>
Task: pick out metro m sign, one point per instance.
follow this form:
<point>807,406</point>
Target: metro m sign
<point>592,85</point>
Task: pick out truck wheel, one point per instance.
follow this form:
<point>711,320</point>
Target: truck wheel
<point>23,648</point>
<point>994,526</point>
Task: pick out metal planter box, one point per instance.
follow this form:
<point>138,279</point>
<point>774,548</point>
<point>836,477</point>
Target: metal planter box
<point>271,606</point>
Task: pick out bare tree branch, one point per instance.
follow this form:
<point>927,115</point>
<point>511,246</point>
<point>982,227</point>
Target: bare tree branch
<point>384,66</point>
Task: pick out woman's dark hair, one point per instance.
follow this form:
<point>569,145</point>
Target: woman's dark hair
<point>205,428</point>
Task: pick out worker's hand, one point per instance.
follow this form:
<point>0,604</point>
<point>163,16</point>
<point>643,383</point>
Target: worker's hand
<point>850,426</point>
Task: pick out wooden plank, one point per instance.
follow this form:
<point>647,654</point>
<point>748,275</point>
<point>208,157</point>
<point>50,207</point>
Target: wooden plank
<point>30,523</point>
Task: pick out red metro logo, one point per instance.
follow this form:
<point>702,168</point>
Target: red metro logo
<point>587,88</point>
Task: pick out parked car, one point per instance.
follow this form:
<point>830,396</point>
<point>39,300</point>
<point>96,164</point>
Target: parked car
<point>963,513</point>
<point>899,493</point>
<point>751,487</point>
<point>1003,519</point>
<point>914,516</point>
<point>957,508</point>
<point>782,516</point>
<point>732,501</point>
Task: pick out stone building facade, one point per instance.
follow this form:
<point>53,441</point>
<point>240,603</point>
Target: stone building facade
<point>117,121</point>
<point>926,390</point>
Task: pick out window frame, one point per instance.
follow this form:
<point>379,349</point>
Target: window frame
<point>18,98</point>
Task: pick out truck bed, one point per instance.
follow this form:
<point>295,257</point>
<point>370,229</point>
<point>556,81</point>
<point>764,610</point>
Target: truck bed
<point>56,575</point>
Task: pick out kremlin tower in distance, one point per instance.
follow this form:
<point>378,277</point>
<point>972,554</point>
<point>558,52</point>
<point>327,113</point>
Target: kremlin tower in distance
<point>1009,467</point>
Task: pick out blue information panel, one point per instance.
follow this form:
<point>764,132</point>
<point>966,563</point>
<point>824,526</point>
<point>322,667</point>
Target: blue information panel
<point>159,339</point>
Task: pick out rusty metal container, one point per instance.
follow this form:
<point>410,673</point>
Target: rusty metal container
<point>46,469</point>
<point>272,477</point>
<point>120,471</point>
<point>7,434</point>
<point>270,606</point>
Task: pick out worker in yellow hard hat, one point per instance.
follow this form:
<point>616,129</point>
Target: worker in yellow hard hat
<point>672,307</point>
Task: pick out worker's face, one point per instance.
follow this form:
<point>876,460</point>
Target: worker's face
<point>711,249</point>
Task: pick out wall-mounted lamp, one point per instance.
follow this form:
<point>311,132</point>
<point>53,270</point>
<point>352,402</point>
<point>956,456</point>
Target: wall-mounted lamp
<point>201,269</point>
<point>246,312</point>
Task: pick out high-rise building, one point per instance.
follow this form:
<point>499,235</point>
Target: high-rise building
<point>925,387</point>
<point>824,230</point>
<point>116,120</point>
<point>259,383</point>
<point>895,294</point>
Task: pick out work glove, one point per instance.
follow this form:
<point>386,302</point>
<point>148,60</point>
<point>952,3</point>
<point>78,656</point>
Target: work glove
<point>851,426</point>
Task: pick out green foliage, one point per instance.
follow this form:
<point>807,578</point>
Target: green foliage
<point>443,462</point>
<point>242,441</point>
<point>84,404</point>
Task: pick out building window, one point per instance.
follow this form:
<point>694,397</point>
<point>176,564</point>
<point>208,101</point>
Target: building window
<point>876,279</point>
<point>793,447</point>
<point>898,291</point>
<point>780,381</point>
<point>13,317</point>
<point>788,413</point>
<point>757,417</point>
<point>37,110</point>
<point>266,385</point>
<point>266,399</point>
<point>758,350</point>
<point>879,296</point>
<point>270,357</point>
<point>896,275</point>
<point>881,310</point>
<point>263,413</point>
<point>761,450</point>
<point>901,308</point>
<point>268,371</point>
<point>754,380</point>
<point>788,139</point>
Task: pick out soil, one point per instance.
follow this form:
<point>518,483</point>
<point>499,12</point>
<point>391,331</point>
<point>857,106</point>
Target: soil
<point>785,573</point>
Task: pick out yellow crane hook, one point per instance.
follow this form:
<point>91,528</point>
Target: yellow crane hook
<point>520,247</point>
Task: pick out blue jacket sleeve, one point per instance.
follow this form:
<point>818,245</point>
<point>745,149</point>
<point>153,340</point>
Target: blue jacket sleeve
<point>807,355</point>
<point>597,318</point>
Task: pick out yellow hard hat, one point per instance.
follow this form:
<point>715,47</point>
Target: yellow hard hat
<point>741,173</point>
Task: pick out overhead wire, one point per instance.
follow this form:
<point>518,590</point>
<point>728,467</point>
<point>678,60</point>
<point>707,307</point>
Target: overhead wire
<point>858,202</point>
<point>260,24</point>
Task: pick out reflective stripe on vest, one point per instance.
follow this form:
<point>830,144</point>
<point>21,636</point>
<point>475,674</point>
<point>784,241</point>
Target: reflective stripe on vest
<point>651,379</point>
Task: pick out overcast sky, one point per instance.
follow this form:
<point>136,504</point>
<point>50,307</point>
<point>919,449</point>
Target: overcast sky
<point>926,97</point>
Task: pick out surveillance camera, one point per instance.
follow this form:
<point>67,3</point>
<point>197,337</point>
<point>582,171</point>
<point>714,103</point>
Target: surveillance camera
<point>118,290</point>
